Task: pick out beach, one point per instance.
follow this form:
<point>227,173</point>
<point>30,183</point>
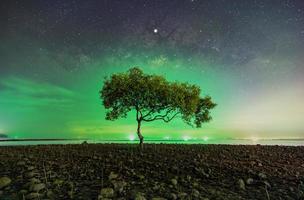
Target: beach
<point>159,171</point>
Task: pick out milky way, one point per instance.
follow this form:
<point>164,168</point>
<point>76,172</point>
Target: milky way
<point>247,55</point>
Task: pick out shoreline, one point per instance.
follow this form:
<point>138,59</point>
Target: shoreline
<point>54,141</point>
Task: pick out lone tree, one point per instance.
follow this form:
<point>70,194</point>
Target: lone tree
<point>153,98</point>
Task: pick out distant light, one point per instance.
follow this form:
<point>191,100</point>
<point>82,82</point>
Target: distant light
<point>205,138</point>
<point>186,138</point>
<point>155,30</point>
<point>254,139</point>
<point>167,138</point>
<point>131,137</point>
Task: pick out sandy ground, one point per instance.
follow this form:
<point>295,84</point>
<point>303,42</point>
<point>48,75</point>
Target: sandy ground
<point>121,171</point>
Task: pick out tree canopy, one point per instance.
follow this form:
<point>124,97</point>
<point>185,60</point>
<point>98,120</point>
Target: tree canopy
<point>154,98</point>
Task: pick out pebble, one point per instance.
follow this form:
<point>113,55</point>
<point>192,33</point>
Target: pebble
<point>139,196</point>
<point>23,191</point>
<point>32,195</point>
<point>174,181</point>
<point>173,196</point>
<point>107,192</point>
<point>241,184</point>
<point>58,182</point>
<point>4,181</point>
<point>37,187</point>
<point>249,181</point>
<point>141,177</point>
<point>30,174</point>
<point>50,194</point>
<point>182,195</point>
<point>113,176</point>
<point>34,180</point>
<point>20,163</point>
<point>195,193</point>
<point>119,186</point>
<point>262,175</point>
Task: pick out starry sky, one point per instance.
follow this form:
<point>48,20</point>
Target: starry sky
<point>247,55</point>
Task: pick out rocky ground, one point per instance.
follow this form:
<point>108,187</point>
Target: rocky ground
<point>120,171</point>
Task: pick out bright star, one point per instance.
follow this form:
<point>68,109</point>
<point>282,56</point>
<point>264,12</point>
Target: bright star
<point>155,30</point>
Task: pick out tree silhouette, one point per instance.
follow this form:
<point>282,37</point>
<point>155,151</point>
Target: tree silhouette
<point>153,98</point>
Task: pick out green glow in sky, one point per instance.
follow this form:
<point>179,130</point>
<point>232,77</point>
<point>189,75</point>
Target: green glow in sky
<point>33,108</point>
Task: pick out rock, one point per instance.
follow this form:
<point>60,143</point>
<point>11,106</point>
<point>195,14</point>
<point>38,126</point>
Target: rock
<point>32,195</point>
<point>119,186</point>
<point>37,187</point>
<point>113,176</point>
<point>155,187</point>
<point>241,184</point>
<point>34,180</point>
<point>195,184</point>
<point>21,163</point>
<point>173,196</point>
<point>50,194</point>
<point>23,192</point>
<point>30,174</point>
<point>141,177</point>
<point>107,192</point>
<point>195,193</point>
<point>174,181</point>
<point>4,181</point>
<point>249,181</point>
<point>58,182</point>
<point>182,195</point>
<point>203,172</point>
<point>262,175</point>
<point>139,196</point>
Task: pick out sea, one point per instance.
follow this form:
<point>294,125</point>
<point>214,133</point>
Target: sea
<point>280,142</point>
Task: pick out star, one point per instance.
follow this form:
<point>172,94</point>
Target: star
<point>155,30</point>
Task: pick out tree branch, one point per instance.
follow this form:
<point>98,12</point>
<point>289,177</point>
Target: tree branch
<point>153,110</point>
<point>169,119</point>
<point>162,117</point>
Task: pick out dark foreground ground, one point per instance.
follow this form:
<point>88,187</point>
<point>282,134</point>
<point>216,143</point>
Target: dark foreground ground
<point>112,171</point>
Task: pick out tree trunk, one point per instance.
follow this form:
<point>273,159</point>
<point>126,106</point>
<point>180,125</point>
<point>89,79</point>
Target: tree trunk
<point>141,138</point>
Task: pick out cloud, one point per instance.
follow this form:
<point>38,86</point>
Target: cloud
<point>24,92</point>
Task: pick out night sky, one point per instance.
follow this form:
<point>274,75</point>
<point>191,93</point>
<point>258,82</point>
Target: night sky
<point>247,55</point>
